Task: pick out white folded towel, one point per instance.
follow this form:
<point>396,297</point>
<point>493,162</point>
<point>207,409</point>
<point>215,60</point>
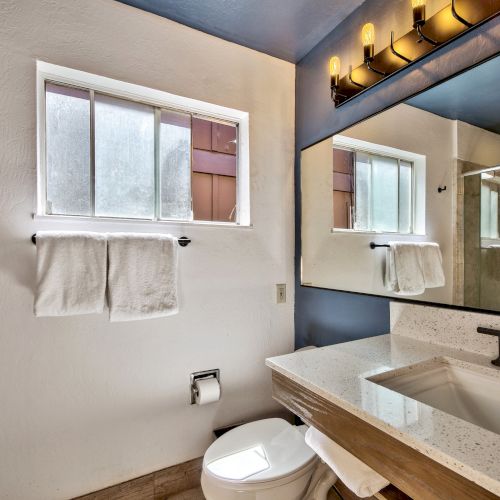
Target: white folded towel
<point>71,273</point>
<point>391,278</point>
<point>142,276</point>
<point>432,263</point>
<point>357,476</point>
<point>405,267</point>
<point>411,267</point>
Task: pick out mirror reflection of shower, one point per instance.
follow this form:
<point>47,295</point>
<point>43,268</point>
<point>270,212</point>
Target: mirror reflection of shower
<point>482,237</point>
<point>490,184</point>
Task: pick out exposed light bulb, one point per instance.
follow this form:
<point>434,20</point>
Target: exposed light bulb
<point>368,34</point>
<point>334,66</point>
<point>334,71</point>
<point>368,38</point>
<point>418,7</point>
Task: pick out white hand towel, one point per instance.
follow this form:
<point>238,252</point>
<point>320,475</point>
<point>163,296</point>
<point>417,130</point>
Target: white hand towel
<point>408,268</point>
<point>390,280</point>
<point>357,476</point>
<point>71,273</point>
<point>432,262</point>
<point>142,276</point>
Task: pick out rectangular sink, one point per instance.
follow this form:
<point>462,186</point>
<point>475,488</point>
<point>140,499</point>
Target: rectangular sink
<point>467,391</point>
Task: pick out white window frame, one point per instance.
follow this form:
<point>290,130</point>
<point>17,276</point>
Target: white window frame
<point>47,72</point>
<point>418,184</point>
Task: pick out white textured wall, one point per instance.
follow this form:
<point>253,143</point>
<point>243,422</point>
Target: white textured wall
<point>85,403</point>
<point>477,145</point>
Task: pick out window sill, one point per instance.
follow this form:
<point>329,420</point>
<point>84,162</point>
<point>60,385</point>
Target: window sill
<point>373,233</point>
<point>488,242</point>
<point>130,224</point>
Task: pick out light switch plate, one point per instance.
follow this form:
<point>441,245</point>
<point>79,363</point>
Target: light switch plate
<point>280,293</point>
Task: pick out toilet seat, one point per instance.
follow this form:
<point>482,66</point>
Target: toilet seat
<point>262,454</point>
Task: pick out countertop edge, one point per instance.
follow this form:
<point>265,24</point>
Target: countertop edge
<point>473,475</point>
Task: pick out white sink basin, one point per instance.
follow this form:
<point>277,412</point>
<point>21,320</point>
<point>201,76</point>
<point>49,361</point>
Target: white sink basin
<point>467,391</point>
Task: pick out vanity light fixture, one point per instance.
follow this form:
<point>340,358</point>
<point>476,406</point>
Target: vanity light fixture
<point>334,78</point>
<point>395,52</point>
<point>446,25</point>
<point>356,84</point>
<point>334,71</point>
<point>368,38</point>
<point>458,17</point>
<point>418,7</point>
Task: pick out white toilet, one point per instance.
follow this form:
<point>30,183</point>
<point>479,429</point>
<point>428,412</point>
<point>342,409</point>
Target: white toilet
<point>263,460</point>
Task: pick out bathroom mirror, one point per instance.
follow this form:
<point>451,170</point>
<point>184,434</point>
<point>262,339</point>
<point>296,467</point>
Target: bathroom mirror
<point>425,172</point>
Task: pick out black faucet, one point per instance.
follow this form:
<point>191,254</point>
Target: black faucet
<point>496,333</point>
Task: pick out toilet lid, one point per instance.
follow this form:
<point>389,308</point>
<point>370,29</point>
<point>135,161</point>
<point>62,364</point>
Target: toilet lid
<point>264,450</point>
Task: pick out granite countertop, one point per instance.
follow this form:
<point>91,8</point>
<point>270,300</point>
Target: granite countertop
<point>338,373</point>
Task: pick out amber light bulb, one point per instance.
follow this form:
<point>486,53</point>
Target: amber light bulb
<point>334,71</point>
<point>418,7</point>
<point>368,39</point>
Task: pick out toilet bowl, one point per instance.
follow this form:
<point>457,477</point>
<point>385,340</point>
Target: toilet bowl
<point>263,460</point>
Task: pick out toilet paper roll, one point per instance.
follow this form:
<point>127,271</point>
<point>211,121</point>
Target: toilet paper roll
<point>207,391</point>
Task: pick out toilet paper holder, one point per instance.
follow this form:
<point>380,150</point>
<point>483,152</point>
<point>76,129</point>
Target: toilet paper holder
<point>200,376</point>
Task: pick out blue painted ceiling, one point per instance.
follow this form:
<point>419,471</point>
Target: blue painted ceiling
<point>472,97</point>
<point>287,29</point>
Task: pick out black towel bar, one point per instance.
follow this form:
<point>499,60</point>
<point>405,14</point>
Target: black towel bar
<point>374,245</point>
<point>183,241</point>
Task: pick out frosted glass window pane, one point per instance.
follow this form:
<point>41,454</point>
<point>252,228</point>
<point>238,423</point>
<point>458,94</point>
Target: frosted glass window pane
<point>494,214</point>
<point>67,150</point>
<point>385,194</point>
<point>405,198</point>
<point>124,158</point>
<point>175,165</point>
<point>362,192</point>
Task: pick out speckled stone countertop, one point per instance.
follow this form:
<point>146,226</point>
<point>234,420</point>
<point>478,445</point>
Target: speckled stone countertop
<point>338,373</point>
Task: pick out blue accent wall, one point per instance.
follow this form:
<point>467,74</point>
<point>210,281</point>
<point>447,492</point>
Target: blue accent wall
<point>325,317</point>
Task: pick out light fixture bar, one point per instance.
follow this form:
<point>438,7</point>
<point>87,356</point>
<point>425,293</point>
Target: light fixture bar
<point>385,64</point>
<point>458,17</point>
<point>395,52</point>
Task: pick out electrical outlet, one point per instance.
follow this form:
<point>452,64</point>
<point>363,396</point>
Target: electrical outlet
<point>281,293</point>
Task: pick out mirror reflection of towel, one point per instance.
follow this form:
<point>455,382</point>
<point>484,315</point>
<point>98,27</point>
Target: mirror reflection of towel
<point>432,261</point>
<point>407,268</point>
<point>411,267</point>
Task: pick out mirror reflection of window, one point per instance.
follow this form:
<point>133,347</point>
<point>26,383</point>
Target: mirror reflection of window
<point>343,188</point>
<point>372,192</point>
<point>425,170</point>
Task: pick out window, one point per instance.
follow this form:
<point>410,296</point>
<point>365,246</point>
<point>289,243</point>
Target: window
<point>374,191</point>
<point>109,149</point>
<point>214,170</point>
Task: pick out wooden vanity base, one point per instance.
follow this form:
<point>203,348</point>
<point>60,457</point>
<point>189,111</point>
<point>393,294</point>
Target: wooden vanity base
<point>412,472</point>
